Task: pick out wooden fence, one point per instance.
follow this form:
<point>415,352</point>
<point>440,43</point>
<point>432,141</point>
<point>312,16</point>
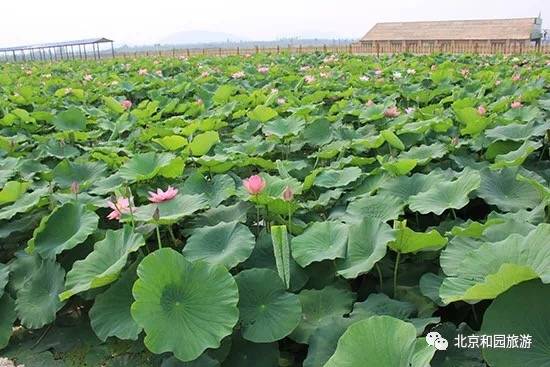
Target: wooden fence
<point>357,48</point>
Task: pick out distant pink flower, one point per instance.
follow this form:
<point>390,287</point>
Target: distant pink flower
<point>75,187</point>
<point>158,72</point>
<point>465,72</point>
<point>205,74</point>
<point>281,101</point>
<point>238,75</point>
<point>411,71</point>
<point>126,104</point>
<point>142,72</point>
<point>248,56</point>
<point>263,70</point>
<point>68,90</point>
<point>274,91</point>
<point>199,102</point>
<point>324,75</point>
<point>433,67</point>
<point>409,110</point>
<point>288,194</point>
<point>364,78</point>
<point>330,59</point>
<point>497,82</point>
<point>369,103</point>
<point>516,77</point>
<point>309,79</point>
<point>481,110</point>
<point>88,77</point>
<point>516,104</point>
<point>121,206</point>
<point>305,68</point>
<point>183,58</point>
<point>156,62</point>
<point>378,72</point>
<point>254,184</point>
<point>160,196</point>
<point>28,72</point>
<point>391,112</point>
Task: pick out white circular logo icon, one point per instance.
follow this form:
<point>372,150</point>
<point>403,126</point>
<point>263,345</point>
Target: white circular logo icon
<point>436,340</point>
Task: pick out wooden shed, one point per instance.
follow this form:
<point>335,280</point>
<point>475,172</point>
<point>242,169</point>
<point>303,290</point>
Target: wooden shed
<point>453,34</point>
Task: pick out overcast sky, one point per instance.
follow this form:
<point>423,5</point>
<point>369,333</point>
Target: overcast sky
<point>148,22</point>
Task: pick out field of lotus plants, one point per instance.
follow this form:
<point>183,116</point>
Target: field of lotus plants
<point>274,210</point>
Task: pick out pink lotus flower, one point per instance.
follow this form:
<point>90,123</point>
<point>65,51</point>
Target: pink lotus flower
<point>160,196</point>
<point>309,79</point>
<point>263,70</point>
<point>288,194</point>
<point>281,101</point>
<point>158,72</point>
<point>465,72</point>
<point>205,74</point>
<point>88,77</point>
<point>68,90</point>
<point>28,72</point>
<point>409,110</point>
<point>411,71</point>
<point>378,72</point>
<point>121,206</point>
<point>330,59</point>
<point>248,56</point>
<point>364,78</point>
<point>305,68</point>
<point>126,104</point>
<point>183,58</point>
<point>433,67</point>
<point>142,72</point>
<point>238,75</point>
<point>391,112</point>
<point>481,110</point>
<point>516,77</point>
<point>199,102</point>
<point>369,103</point>
<point>254,184</point>
<point>516,104</point>
<point>274,91</point>
<point>497,82</point>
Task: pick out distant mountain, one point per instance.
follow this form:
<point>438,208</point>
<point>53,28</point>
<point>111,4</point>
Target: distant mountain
<point>199,37</point>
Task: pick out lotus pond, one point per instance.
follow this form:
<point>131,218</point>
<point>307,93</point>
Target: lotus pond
<point>263,211</point>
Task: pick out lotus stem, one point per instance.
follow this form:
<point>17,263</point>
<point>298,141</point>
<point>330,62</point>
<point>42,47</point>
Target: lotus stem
<point>257,220</point>
<point>289,220</point>
<point>158,237</point>
<point>395,270</point>
<point>171,232</point>
<point>379,271</point>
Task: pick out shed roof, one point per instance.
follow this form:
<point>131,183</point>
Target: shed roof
<point>57,44</point>
<point>482,29</point>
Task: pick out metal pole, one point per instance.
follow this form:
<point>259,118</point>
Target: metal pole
<point>85,53</point>
<point>14,56</point>
<point>72,51</point>
<point>112,49</point>
<point>80,51</point>
<point>98,52</point>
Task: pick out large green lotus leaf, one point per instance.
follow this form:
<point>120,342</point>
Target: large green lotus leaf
<point>217,189</point>
<point>429,285</point>
<point>282,128</point>
<point>423,154</point>
<point>323,341</point>
<point>446,195</point>
<point>172,210</point>
<point>321,241</point>
<point>318,133</point>
<point>403,187</point>
<point>103,265</point>
<point>144,166</point>
<point>171,142</point>
<point>70,120</point>
<point>7,318</point>
<point>66,227</point>
<point>542,187</point>
<point>202,143</point>
<point>319,306</point>
<point>392,139</point>
<point>407,240</point>
<point>397,167</point>
<point>37,301</point>
<point>453,254</point>
<point>337,178</point>
<point>383,207</point>
<point>281,252</point>
<point>501,188</point>
<point>227,244</point>
<point>85,174</point>
<point>262,113</point>
<point>491,269</point>
<point>264,256</point>
<point>110,315</point>
<point>4,277</point>
<point>517,132</point>
<point>12,191</point>
<point>248,354</point>
<point>177,300</point>
<point>267,312</point>
<point>23,204</point>
<point>374,342</point>
<point>516,157</point>
<point>367,242</point>
<point>523,311</point>
<point>203,361</point>
<point>475,123</point>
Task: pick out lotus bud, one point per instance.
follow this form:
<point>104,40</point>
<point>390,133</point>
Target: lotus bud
<point>75,187</point>
<point>288,194</point>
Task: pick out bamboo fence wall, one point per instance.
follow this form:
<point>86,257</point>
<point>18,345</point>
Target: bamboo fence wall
<point>485,48</point>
